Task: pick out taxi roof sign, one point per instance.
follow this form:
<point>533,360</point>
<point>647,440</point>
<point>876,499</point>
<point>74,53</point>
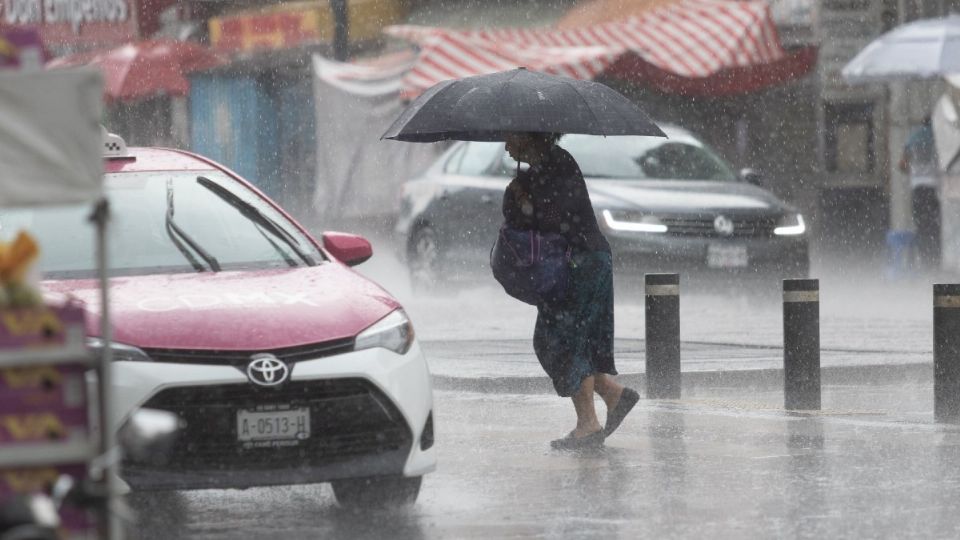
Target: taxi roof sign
<point>113,145</point>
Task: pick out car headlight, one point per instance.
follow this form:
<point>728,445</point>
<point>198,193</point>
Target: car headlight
<point>624,222</point>
<point>393,332</point>
<point>790,226</point>
<point>121,352</point>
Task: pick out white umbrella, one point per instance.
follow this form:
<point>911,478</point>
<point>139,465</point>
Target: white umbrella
<point>946,127</point>
<point>923,49</point>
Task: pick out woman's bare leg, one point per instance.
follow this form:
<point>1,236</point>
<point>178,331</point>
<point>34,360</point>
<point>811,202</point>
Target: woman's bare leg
<point>587,421</point>
<point>608,388</point>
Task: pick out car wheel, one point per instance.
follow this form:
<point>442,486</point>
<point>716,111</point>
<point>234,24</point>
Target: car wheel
<point>366,492</point>
<point>425,261</point>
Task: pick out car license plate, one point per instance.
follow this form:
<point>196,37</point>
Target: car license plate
<point>275,425</point>
<point>726,256</point>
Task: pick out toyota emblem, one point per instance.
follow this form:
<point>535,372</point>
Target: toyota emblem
<point>723,225</point>
<point>267,370</point>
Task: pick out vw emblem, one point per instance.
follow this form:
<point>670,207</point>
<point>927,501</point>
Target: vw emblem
<point>267,370</point>
<point>723,225</point>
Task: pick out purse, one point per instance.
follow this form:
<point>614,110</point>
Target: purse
<point>532,267</point>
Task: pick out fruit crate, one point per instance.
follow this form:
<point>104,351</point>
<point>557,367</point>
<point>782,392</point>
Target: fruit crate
<point>47,408</point>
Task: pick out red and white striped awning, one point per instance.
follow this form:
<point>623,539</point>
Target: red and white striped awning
<point>680,45</point>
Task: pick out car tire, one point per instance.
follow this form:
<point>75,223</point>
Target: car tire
<point>424,262</point>
<point>377,492</point>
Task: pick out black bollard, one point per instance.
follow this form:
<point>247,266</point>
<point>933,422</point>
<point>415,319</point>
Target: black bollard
<point>663,335</point>
<point>801,344</point>
<point>946,353</point>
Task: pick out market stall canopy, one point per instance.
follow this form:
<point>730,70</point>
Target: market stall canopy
<point>146,69</point>
<point>362,180</point>
<point>696,47</point>
<point>594,12</point>
<point>50,142</point>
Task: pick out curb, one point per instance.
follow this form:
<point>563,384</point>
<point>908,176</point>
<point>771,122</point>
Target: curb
<point>878,374</point>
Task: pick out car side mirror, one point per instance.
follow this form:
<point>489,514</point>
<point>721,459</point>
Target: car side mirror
<point>751,176</point>
<point>350,249</point>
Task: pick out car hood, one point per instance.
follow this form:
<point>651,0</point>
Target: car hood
<point>676,196</point>
<point>241,311</point>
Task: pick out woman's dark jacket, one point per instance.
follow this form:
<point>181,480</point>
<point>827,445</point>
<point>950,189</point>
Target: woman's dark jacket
<point>551,197</point>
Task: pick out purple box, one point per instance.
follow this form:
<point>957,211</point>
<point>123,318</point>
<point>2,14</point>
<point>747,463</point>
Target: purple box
<point>43,404</point>
<point>40,480</point>
<point>42,327</point>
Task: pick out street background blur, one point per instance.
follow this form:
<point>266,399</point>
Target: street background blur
<point>293,96</point>
<point>263,97</point>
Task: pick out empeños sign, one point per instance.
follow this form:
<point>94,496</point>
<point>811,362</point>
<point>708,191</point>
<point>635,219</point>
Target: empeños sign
<point>76,13</point>
<point>68,26</point>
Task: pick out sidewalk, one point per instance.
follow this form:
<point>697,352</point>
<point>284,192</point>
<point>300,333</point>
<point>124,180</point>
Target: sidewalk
<point>481,340</point>
<point>509,366</point>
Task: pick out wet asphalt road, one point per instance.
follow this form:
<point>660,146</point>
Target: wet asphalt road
<point>725,463</point>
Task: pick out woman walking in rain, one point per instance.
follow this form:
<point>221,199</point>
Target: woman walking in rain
<point>574,337</point>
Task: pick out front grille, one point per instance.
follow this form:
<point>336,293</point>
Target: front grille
<point>703,226</point>
<point>348,418</point>
<point>242,358</point>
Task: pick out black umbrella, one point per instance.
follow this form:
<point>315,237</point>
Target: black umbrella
<point>485,107</point>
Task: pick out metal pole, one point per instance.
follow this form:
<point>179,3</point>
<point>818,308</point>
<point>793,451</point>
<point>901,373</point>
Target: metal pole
<point>341,29</point>
<point>100,218</point>
<point>946,353</point>
<point>801,344</point>
<point>663,335</point>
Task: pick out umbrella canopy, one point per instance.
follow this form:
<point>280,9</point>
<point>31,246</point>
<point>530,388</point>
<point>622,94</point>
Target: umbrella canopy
<point>146,69</point>
<point>922,49</point>
<point>946,126</point>
<point>486,107</point>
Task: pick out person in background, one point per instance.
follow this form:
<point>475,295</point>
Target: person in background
<point>919,160</point>
<point>573,338</point>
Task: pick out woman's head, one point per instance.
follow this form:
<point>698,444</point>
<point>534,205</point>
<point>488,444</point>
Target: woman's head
<point>530,147</point>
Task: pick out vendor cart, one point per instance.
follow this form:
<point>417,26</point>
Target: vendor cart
<point>55,393</point>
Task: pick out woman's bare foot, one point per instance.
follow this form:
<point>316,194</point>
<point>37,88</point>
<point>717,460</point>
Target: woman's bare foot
<point>572,442</point>
<point>609,389</point>
<point>583,431</point>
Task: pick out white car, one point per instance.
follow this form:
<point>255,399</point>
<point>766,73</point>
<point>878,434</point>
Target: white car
<point>284,365</point>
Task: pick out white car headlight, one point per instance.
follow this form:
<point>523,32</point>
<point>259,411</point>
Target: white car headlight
<point>650,224</point>
<point>120,351</point>
<point>790,226</point>
<point>393,332</point>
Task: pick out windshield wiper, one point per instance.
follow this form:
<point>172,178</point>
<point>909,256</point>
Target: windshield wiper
<point>174,230</point>
<point>286,256</point>
<point>258,217</point>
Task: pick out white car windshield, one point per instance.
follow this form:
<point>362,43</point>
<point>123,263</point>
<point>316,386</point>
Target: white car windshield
<point>166,222</point>
<point>680,157</point>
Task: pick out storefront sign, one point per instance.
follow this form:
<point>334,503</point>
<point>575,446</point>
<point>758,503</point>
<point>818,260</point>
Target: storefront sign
<point>269,30</point>
<point>286,26</point>
<point>72,12</point>
<point>73,24</point>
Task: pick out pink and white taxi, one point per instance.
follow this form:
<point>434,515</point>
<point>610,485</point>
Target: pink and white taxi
<point>284,365</point>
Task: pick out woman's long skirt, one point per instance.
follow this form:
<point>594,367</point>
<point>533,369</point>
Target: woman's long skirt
<point>573,339</point>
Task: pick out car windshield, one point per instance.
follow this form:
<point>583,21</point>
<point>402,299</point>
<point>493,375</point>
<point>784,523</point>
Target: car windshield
<point>166,222</point>
<point>680,157</point>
